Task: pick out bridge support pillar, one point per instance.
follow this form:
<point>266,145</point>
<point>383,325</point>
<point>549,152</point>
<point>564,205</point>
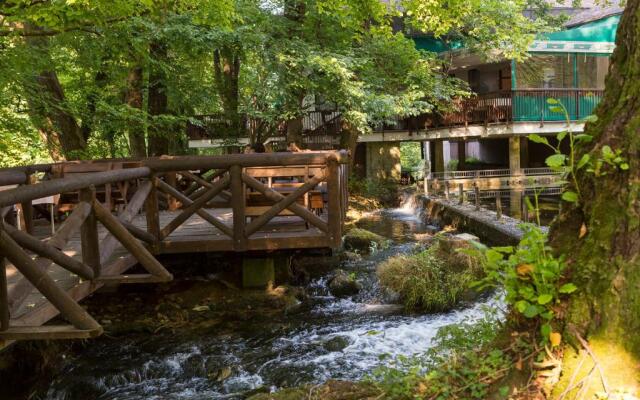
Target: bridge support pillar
<point>515,204</point>
<point>383,161</point>
<point>438,146</point>
<point>514,155</point>
<point>258,273</point>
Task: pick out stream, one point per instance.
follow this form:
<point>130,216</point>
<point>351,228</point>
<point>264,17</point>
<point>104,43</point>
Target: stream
<point>330,338</point>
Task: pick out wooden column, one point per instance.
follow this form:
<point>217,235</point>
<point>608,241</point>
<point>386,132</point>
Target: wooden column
<point>238,201</point>
<point>172,180</point>
<point>4,298</point>
<point>27,208</point>
<point>90,242</point>
<point>334,206</point>
<point>152,212</point>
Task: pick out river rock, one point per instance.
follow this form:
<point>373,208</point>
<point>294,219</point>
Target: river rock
<point>383,309</point>
<point>363,240</point>
<point>337,343</point>
<point>342,284</point>
<point>194,366</point>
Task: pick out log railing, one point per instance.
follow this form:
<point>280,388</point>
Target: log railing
<point>178,188</point>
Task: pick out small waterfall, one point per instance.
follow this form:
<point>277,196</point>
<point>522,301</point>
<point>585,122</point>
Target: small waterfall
<point>409,204</point>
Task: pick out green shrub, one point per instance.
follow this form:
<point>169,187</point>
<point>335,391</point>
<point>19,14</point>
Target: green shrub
<point>433,280</point>
<point>386,192</point>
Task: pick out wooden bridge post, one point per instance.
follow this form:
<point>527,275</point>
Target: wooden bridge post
<point>334,206</point>
<point>27,207</point>
<point>89,241</point>
<point>498,207</point>
<point>4,297</point>
<point>476,191</point>
<point>238,201</point>
<point>152,213</point>
<point>460,193</point>
<point>172,180</point>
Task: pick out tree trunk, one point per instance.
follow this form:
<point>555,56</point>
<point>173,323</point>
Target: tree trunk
<point>134,99</point>
<point>158,135</point>
<point>605,262</point>
<point>226,64</point>
<point>48,111</point>
<point>349,140</point>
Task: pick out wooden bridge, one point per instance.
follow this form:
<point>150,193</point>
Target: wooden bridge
<point>124,213</point>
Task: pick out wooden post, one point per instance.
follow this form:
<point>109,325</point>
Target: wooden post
<point>4,297</point>
<point>498,207</point>
<point>172,181</point>
<point>152,212</point>
<point>238,203</point>
<point>334,218</point>
<point>89,240</point>
<point>525,210</point>
<point>446,190</point>
<point>27,208</point>
<point>476,190</point>
<point>460,193</point>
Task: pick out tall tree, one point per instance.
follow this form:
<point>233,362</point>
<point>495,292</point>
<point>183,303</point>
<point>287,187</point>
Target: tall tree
<point>600,235</point>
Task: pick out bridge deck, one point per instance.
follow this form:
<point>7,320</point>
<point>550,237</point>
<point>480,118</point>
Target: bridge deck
<point>195,235</point>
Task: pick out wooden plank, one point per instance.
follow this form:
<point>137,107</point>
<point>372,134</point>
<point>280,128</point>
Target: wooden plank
<point>89,241</point>
<point>48,332</point>
<point>45,285</point>
<point>296,208</point>
<point>283,204</point>
<point>130,278</point>
<point>129,242</point>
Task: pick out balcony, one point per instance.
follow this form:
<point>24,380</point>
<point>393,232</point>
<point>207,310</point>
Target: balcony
<point>521,105</point>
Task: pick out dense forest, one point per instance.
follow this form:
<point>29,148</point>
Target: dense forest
<point>97,78</point>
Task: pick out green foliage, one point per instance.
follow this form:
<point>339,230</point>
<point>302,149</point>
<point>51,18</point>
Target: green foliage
<point>433,280</point>
<point>410,155</point>
<point>531,276</point>
<point>386,192</point>
<point>568,165</point>
<point>462,364</point>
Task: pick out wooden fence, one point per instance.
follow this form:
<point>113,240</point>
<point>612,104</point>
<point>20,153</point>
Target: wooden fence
<point>252,190</point>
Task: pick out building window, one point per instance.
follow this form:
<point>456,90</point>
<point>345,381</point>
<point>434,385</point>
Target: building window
<point>592,71</point>
<point>546,72</point>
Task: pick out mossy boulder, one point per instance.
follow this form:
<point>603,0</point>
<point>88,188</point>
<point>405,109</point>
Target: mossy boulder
<point>343,284</point>
<point>363,240</point>
<point>434,280</point>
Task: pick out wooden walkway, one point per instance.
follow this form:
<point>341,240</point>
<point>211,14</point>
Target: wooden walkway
<point>177,205</point>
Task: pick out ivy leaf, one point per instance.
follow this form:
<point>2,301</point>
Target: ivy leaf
<point>544,298</point>
<point>556,160</point>
<point>591,118</point>
<point>522,305</point>
<point>552,101</point>
<point>556,109</point>
<point>624,166</point>
<point>568,288</point>
<point>545,330</point>
<point>561,136</point>
<point>583,137</point>
<point>538,139</point>
<point>531,311</point>
<point>583,161</point>
<point>570,197</point>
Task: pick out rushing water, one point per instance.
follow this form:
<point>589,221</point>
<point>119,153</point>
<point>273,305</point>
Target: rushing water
<point>332,338</point>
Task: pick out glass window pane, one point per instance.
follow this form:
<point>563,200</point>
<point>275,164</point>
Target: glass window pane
<point>592,71</point>
<point>545,71</point>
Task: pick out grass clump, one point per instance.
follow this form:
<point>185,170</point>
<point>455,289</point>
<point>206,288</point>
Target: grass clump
<point>372,194</point>
<point>434,280</point>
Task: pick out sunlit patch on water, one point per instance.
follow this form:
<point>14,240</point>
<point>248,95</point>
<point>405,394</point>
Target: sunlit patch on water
<point>341,338</point>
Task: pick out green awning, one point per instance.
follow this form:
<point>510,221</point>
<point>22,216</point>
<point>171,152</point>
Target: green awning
<point>602,30</point>
<point>435,45</point>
